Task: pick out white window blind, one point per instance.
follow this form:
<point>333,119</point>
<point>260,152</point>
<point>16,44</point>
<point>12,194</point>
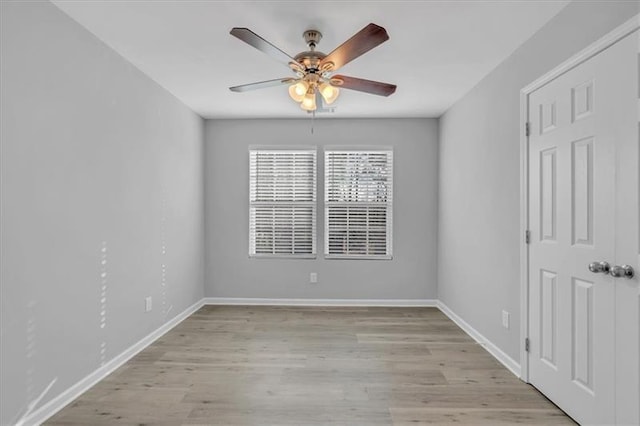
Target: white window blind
<point>358,203</point>
<point>282,203</point>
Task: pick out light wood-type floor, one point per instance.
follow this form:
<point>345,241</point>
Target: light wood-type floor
<point>248,365</point>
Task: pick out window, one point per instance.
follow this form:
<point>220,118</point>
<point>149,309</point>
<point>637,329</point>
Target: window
<point>282,203</point>
<point>358,203</point>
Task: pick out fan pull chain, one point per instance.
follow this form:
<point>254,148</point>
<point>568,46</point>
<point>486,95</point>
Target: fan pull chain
<point>313,117</point>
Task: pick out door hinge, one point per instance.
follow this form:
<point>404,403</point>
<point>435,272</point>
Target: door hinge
<point>527,129</point>
<point>526,344</point>
<point>527,237</point>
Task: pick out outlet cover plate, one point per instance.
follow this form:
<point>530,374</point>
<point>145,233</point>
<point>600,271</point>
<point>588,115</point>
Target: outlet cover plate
<point>505,319</point>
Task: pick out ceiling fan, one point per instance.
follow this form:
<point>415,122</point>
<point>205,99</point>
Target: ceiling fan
<point>314,83</point>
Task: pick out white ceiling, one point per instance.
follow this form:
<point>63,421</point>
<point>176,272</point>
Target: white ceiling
<point>437,51</point>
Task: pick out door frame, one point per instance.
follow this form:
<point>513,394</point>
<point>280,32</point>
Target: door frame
<point>608,40</point>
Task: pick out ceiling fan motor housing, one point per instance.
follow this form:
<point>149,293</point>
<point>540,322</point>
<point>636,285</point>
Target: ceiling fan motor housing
<point>310,59</point>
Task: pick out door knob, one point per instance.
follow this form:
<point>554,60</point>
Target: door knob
<point>597,267</point>
<point>624,271</point>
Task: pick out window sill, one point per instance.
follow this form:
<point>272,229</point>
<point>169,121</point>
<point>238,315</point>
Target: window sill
<point>356,257</point>
<point>283,256</point>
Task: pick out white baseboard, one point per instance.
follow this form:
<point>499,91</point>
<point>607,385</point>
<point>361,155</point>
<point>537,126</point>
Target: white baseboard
<point>511,364</point>
<point>60,401</point>
<point>320,302</point>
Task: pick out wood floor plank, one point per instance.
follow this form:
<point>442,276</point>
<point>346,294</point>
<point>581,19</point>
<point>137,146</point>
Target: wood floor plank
<point>483,416</point>
<point>270,365</point>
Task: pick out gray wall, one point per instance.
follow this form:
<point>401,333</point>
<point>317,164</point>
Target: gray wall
<point>93,152</point>
<point>412,272</point>
<point>478,253</point>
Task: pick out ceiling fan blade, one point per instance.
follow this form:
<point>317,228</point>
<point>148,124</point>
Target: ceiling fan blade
<point>361,85</point>
<point>363,41</point>
<point>262,84</point>
<point>253,39</point>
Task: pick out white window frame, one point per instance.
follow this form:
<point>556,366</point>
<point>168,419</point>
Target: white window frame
<point>254,203</point>
<point>388,204</point>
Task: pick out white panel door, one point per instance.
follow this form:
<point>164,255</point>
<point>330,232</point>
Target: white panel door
<point>577,153</point>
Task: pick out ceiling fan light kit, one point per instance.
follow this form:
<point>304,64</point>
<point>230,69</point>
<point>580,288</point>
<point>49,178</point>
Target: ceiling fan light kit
<point>309,101</point>
<point>328,92</point>
<point>298,90</point>
<point>314,70</point>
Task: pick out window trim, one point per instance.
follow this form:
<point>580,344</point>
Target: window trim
<point>389,204</point>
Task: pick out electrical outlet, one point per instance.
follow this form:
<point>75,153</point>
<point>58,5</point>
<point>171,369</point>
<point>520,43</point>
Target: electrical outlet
<point>313,278</point>
<point>505,319</point>
<point>148,305</point>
